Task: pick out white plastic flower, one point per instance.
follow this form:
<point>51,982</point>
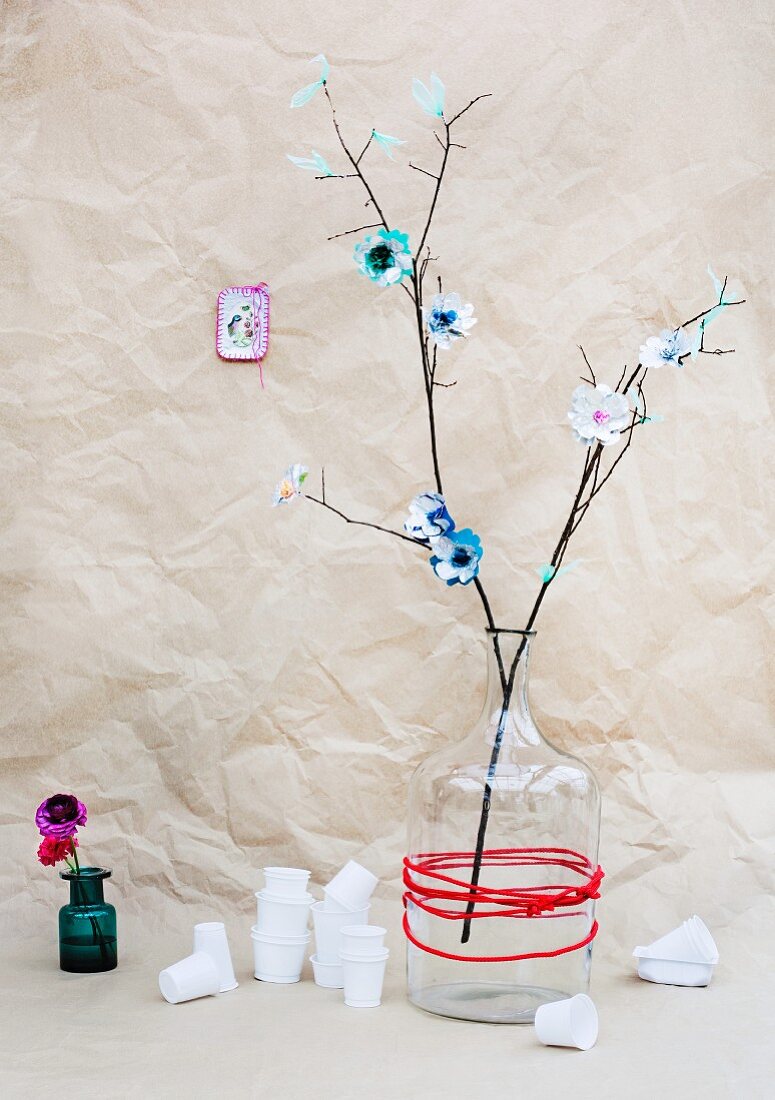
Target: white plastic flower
<point>448,319</point>
<point>668,347</point>
<point>598,414</point>
<point>428,517</point>
<point>290,485</point>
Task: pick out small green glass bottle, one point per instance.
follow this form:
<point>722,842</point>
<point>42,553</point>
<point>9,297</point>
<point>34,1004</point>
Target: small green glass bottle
<point>87,926</point>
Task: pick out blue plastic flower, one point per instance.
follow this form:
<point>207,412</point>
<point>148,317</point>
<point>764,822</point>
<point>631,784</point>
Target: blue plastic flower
<point>428,517</point>
<point>456,556</point>
<point>384,256</point>
<point>448,319</point>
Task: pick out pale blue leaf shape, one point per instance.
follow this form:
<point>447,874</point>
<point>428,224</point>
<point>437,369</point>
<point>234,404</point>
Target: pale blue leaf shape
<point>695,349</point>
<point>321,164</point>
<point>635,398</point>
<point>438,94</point>
<point>717,285</point>
<point>546,572</point>
<point>386,142</point>
<point>304,95</point>
<point>315,163</point>
<point>432,102</point>
<point>654,418</point>
<point>423,96</point>
<point>325,68</point>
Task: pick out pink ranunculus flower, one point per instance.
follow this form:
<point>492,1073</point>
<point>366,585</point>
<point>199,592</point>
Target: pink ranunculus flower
<point>60,816</point>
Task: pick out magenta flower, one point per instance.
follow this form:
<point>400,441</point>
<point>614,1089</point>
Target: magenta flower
<point>60,816</point>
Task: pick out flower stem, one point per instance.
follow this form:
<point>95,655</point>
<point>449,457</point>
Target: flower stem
<point>77,867</point>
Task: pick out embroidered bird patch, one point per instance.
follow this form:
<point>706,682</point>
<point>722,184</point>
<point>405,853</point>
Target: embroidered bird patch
<point>242,323</point>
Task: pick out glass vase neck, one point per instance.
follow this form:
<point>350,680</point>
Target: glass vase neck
<point>86,887</point>
<point>507,716</point>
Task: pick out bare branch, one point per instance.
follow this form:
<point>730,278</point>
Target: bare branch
<point>433,177</point>
<point>589,366</point>
<point>364,523</point>
<point>468,108</point>
<point>347,232</point>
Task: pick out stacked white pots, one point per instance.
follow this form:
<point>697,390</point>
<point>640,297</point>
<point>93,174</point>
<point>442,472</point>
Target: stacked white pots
<point>280,934</point>
<point>326,962</point>
<point>364,958</point>
<point>345,906</point>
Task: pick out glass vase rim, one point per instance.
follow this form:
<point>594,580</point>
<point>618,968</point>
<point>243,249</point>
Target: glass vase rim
<point>92,873</point>
<point>509,630</point>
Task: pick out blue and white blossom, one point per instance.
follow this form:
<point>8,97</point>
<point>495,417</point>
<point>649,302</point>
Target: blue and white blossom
<point>448,319</point>
<point>289,485</point>
<point>668,347</point>
<point>431,100</point>
<point>428,517</point>
<point>597,414</point>
<point>386,142</point>
<point>456,556</point>
<point>304,95</point>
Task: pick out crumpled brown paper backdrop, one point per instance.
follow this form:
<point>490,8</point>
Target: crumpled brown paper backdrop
<point>224,684</point>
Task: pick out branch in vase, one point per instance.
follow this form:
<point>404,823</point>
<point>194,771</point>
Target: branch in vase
<point>579,508</point>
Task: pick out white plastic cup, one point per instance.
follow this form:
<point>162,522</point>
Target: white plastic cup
<point>704,943</point>
<point>192,977</point>
<point>350,889</point>
<point>328,929</point>
<point>286,882</point>
<point>672,972</point>
<point>569,1023</point>
<point>362,939</point>
<point>278,959</point>
<point>363,976</point>
<point>282,916</point>
<point>331,905</point>
<point>211,938</point>
<point>689,942</point>
<point>329,975</point>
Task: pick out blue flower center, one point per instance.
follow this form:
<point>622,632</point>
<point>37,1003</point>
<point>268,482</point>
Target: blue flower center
<point>461,556</point>
<point>380,258</point>
<point>442,319</point>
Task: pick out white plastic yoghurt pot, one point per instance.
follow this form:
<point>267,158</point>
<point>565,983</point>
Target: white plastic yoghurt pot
<point>278,959</point>
<point>282,916</point>
<point>288,882</point>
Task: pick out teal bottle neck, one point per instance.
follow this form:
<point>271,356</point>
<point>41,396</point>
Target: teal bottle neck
<point>86,888</point>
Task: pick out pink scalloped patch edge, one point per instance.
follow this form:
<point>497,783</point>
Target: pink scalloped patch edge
<point>242,324</point>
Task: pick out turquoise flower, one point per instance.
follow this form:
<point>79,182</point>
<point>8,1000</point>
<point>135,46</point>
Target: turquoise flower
<point>384,257</point>
<point>456,556</point>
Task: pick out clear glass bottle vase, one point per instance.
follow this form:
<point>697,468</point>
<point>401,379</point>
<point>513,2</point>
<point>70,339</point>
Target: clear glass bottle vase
<point>502,861</point>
